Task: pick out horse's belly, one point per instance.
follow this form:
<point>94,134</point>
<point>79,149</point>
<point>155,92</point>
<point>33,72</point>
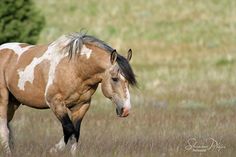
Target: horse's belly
<point>31,97</point>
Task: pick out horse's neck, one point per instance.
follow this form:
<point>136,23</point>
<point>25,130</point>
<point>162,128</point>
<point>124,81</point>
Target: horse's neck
<point>93,68</point>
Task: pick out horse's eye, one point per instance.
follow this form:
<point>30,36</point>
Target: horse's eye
<point>115,79</point>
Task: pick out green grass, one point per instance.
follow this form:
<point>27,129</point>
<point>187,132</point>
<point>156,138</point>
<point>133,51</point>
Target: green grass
<point>184,59</point>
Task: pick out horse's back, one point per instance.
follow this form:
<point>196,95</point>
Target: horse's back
<point>11,52</point>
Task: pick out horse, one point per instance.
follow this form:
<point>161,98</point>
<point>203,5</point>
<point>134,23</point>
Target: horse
<point>62,76</point>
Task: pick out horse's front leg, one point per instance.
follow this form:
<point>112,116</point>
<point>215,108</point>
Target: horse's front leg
<point>60,110</point>
<point>77,115</point>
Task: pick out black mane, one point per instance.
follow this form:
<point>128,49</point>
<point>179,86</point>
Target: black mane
<point>126,70</point>
<point>76,41</point>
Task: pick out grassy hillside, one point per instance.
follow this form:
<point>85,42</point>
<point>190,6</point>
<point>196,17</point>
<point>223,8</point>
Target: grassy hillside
<point>184,59</point>
<point>177,44</point>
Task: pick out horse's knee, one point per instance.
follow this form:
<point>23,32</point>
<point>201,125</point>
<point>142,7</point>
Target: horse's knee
<point>77,117</point>
<point>59,108</point>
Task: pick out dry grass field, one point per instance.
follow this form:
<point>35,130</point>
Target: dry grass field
<point>184,56</point>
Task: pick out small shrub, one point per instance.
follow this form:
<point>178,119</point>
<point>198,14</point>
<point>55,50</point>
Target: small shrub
<point>20,21</point>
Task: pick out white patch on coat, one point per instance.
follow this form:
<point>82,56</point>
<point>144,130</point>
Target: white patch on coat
<point>16,48</point>
<point>54,61</point>
<point>53,55</point>
<point>122,77</point>
<point>28,73</point>
<point>127,100</point>
<point>86,51</point>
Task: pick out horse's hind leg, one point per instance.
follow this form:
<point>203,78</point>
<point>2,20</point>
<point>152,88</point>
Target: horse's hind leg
<point>13,104</point>
<point>4,131</point>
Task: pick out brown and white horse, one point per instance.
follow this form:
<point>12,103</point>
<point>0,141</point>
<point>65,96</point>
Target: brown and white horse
<point>62,76</point>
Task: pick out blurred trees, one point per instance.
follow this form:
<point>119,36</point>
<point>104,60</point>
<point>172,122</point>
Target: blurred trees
<point>20,21</point>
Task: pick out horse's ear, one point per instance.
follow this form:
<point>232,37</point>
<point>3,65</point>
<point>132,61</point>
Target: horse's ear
<point>113,56</point>
<point>129,56</point>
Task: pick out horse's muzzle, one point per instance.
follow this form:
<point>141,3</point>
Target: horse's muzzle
<point>123,112</point>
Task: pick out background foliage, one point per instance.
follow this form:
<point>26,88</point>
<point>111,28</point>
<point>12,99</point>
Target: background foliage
<point>20,21</point>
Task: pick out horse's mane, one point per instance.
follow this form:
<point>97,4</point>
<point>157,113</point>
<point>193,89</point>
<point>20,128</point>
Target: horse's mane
<point>75,41</point>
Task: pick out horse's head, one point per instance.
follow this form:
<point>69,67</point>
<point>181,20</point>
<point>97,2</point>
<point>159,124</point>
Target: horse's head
<point>115,84</point>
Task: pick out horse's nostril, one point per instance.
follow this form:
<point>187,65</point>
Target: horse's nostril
<point>121,110</point>
<point>117,111</point>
